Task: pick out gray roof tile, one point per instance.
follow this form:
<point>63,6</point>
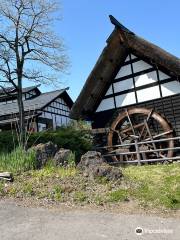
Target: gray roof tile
<point>36,103</point>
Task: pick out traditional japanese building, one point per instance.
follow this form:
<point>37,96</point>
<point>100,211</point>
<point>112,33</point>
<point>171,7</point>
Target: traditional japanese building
<point>42,110</point>
<point>130,72</point>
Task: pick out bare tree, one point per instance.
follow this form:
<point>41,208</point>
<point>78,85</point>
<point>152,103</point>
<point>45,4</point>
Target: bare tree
<point>29,46</point>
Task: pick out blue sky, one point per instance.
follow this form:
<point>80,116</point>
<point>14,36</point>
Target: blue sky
<point>86,26</point>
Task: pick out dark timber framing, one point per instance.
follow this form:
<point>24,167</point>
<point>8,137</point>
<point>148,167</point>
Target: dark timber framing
<point>133,77</point>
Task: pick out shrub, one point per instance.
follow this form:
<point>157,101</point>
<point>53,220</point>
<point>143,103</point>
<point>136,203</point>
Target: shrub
<point>77,139</point>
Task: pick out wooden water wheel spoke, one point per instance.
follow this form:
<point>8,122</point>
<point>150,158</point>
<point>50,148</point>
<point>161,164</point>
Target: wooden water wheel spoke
<point>130,122</point>
<point>160,135</point>
<point>141,125</point>
<point>150,135</point>
<point>125,130</point>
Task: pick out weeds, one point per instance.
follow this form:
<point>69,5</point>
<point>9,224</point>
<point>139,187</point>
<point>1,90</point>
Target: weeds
<point>80,196</point>
<point>28,189</point>
<point>1,188</point>
<point>56,193</point>
<point>18,160</point>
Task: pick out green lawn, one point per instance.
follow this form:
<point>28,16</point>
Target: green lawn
<point>154,185</point>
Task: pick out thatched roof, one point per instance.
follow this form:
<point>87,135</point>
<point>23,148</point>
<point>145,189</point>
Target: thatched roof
<point>119,44</point>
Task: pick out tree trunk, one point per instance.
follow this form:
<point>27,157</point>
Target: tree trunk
<point>21,113</point>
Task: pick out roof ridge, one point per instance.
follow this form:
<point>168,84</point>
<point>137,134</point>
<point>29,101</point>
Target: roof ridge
<point>62,89</point>
<point>115,22</point>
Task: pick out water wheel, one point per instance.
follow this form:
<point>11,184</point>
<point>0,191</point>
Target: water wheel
<point>140,125</point>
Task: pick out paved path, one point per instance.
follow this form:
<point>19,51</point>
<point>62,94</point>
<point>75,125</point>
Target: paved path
<point>20,223</point>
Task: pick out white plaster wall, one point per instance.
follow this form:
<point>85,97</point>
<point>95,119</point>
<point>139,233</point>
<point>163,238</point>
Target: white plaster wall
<point>123,85</point>
<point>162,75</point>
<point>133,56</point>
<point>125,99</point>
<point>109,91</point>
<point>127,59</point>
<point>106,104</point>
<point>124,71</point>
<point>140,66</point>
<point>148,94</point>
<point>146,79</point>
<point>170,88</point>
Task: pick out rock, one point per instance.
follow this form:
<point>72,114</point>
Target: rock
<point>104,170</point>
<point>62,157</point>
<point>93,165</point>
<point>44,151</point>
<point>90,158</point>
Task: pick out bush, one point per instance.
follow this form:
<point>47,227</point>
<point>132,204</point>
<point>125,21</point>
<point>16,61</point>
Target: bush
<point>77,139</point>
<point>8,141</point>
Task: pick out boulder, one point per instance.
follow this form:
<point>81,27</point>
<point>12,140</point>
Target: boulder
<point>107,171</point>
<point>44,151</point>
<point>93,165</point>
<point>62,157</point>
<point>90,158</point>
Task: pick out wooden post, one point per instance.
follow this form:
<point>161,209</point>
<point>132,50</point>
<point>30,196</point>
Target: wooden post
<point>137,151</point>
<point>6,176</point>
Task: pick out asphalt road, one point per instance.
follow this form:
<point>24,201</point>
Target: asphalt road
<point>23,223</point>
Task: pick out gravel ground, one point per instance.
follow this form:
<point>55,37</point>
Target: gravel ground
<point>28,223</point>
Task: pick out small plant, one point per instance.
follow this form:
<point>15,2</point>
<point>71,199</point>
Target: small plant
<point>71,160</point>
<point>102,180</point>
<point>56,193</point>
<point>1,188</point>
<point>99,200</point>
<point>12,191</point>
<point>28,189</point>
<point>80,196</point>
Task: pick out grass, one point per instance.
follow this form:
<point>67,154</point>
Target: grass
<point>118,196</point>
<point>154,185</point>
<point>52,171</point>
<point>18,160</point>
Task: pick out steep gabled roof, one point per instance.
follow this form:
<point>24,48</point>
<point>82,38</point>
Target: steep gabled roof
<point>37,103</point>
<point>119,44</point>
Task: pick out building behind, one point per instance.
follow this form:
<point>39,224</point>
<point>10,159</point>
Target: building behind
<point>43,111</point>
